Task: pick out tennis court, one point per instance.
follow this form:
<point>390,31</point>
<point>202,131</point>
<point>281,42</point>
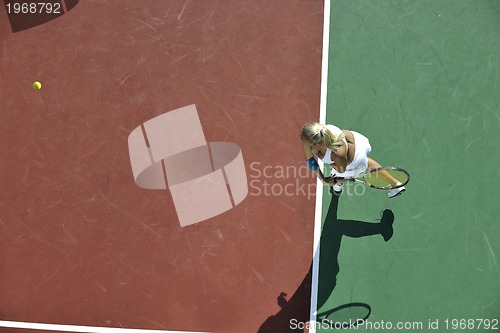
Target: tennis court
<point>85,240</point>
<point>420,79</point>
<point>87,247</point>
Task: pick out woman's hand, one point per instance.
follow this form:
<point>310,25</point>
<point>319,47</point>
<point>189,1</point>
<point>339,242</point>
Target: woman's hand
<point>330,181</point>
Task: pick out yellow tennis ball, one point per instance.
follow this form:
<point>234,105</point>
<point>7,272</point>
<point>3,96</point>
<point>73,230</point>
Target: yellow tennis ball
<point>37,85</point>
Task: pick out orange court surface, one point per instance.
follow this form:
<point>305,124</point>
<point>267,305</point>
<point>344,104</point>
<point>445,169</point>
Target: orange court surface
<point>80,242</point>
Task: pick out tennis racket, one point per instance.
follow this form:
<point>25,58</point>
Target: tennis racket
<point>382,178</point>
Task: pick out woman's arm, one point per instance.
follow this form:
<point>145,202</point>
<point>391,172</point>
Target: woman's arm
<point>308,155</point>
<point>307,149</point>
<point>340,159</point>
<point>325,180</point>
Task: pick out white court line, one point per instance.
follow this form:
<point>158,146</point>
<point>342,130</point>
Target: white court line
<point>80,329</point>
<point>319,184</point>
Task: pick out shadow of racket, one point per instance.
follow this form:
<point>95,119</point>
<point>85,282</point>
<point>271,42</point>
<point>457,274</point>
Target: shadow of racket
<point>349,315</point>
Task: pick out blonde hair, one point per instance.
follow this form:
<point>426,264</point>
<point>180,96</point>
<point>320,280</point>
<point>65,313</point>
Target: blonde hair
<point>316,133</point>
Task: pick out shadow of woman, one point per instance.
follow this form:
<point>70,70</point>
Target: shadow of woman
<point>294,313</point>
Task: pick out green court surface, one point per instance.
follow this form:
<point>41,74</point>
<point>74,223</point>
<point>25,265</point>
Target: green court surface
<point>421,80</point>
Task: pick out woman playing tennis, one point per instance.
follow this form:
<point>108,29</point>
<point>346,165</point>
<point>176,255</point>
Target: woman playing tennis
<point>345,151</point>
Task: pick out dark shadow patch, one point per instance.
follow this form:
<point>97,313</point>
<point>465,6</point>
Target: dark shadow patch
<point>25,14</point>
<point>294,313</point>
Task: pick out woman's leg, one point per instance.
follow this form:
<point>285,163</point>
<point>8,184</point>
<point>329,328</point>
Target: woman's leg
<point>372,164</point>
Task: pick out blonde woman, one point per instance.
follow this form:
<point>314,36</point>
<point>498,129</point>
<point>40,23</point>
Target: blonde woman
<point>345,151</point>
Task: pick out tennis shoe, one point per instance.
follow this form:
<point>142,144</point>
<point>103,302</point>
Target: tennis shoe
<point>337,189</point>
<point>396,191</point>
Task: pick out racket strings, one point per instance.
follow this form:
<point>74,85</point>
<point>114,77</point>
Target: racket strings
<point>387,178</point>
